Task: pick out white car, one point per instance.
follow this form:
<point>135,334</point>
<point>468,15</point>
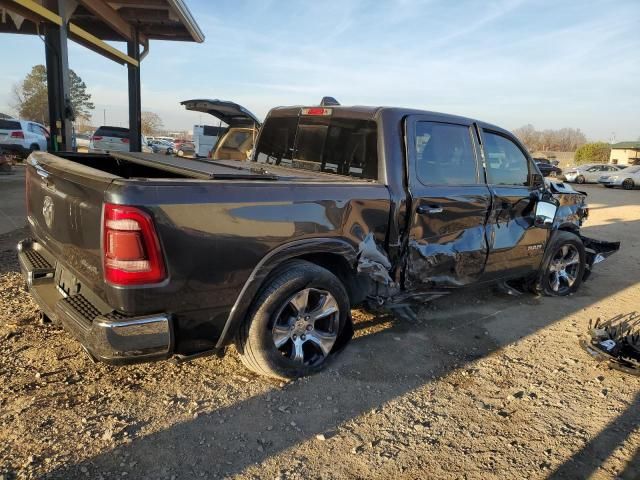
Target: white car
<point>22,136</point>
<point>627,178</point>
<point>113,139</point>
<point>590,173</point>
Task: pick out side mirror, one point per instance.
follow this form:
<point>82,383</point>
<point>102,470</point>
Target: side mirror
<point>545,214</point>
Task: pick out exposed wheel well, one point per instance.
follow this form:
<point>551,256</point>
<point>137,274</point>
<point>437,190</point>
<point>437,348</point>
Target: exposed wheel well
<point>341,268</point>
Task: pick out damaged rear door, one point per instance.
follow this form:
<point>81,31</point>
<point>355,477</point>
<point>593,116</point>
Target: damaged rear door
<point>450,202</point>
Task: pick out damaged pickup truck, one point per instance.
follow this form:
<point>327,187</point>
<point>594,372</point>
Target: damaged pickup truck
<point>144,256</point>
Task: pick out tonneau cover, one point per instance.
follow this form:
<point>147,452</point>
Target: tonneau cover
<point>203,169</point>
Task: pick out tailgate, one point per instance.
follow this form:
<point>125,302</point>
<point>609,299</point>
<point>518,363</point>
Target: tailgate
<point>64,209</point>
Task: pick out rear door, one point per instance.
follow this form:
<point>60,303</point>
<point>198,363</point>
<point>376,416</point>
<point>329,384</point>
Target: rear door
<point>516,246</point>
<point>449,204</point>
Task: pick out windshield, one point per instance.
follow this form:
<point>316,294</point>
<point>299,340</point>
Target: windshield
<point>342,146</point>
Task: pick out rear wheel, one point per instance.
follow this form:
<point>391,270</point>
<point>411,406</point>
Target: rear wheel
<point>628,184</point>
<point>580,179</point>
<point>563,268</point>
<point>294,324</point>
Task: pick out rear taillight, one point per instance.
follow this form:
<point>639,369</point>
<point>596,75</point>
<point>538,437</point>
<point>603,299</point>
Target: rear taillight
<point>131,249</point>
<point>96,138</point>
<point>17,134</point>
<point>124,140</point>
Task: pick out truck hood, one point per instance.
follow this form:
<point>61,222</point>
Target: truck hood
<point>230,113</point>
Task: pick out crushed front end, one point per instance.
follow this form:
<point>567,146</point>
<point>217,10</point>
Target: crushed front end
<point>572,212</point>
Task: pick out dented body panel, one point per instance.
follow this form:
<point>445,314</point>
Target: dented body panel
<point>392,239</point>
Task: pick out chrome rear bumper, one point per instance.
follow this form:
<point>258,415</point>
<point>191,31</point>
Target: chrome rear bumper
<point>107,335</point>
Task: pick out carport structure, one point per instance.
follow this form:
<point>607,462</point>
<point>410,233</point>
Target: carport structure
<point>92,23</point>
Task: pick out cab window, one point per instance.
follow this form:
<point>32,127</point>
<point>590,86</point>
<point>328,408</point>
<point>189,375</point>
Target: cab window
<point>506,163</point>
<point>444,154</point>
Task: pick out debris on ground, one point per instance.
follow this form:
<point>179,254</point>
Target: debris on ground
<point>616,340</point>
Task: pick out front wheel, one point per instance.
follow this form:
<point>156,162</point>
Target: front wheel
<point>295,323</point>
<point>628,184</point>
<point>563,268</point>
<point>580,179</point>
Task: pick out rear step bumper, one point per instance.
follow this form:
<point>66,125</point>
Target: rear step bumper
<point>109,337</point>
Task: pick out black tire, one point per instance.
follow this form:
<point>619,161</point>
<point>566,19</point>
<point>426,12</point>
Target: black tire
<point>580,179</point>
<point>255,338</point>
<point>628,184</point>
<point>559,240</point>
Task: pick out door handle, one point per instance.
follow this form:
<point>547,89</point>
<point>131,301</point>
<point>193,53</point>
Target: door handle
<point>429,209</point>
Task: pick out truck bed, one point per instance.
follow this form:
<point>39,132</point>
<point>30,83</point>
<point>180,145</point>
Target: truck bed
<point>157,165</point>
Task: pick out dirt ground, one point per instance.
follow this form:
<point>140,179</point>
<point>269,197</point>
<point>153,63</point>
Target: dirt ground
<point>482,385</point>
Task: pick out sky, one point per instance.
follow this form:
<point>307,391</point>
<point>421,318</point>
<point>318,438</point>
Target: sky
<point>552,64</point>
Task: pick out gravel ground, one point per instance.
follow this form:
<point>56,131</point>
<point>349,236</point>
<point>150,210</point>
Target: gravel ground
<point>481,385</point>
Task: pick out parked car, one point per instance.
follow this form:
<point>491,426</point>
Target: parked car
<point>627,178</point>
<point>22,137</point>
<point>236,143</point>
<point>162,146</point>
<point>114,139</point>
<point>590,173</point>
<point>186,149</point>
<point>548,169</point>
<point>83,142</point>
<point>178,142</point>
<point>338,206</point>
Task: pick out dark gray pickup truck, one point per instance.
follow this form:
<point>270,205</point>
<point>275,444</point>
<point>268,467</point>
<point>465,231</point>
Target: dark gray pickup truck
<point>145,257</point>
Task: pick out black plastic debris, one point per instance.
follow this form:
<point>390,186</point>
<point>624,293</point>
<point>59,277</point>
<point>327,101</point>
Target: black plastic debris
<point>617,341</point>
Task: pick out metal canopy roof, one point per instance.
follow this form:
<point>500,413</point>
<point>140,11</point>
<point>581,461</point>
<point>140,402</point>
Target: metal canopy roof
<point>106,19</point>
<point>92,23</point>
<point>155,19</point>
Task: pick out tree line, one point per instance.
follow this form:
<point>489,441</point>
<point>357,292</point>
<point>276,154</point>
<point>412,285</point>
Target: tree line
<point>31,102</point>
<point>562,140</point>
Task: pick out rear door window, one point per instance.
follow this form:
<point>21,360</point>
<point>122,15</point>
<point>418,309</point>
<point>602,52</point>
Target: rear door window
<point>445,154</point>
<point>10,125</point>
<point>324,143</point>
<point>115,132</point>
<point>236,139</point>
<point>506,163</point>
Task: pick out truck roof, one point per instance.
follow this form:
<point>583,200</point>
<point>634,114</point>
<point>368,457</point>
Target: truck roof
<point>364,112</point>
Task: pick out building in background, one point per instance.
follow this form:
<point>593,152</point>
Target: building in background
<point>625,153</point>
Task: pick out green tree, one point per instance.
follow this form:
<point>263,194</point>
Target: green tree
<point>597,152</point>
<point>31,101</point>
<point>80,98</point>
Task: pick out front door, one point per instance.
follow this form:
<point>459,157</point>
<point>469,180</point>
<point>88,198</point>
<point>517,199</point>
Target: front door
<point>516,246</point>
<point>450,203</point>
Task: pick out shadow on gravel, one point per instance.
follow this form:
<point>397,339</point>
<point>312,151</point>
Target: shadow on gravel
<point>585,462</point>
<point>375,369</point>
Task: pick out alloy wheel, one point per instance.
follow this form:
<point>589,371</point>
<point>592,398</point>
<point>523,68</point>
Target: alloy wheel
<point>306,327</point>
<point>564,268</point>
